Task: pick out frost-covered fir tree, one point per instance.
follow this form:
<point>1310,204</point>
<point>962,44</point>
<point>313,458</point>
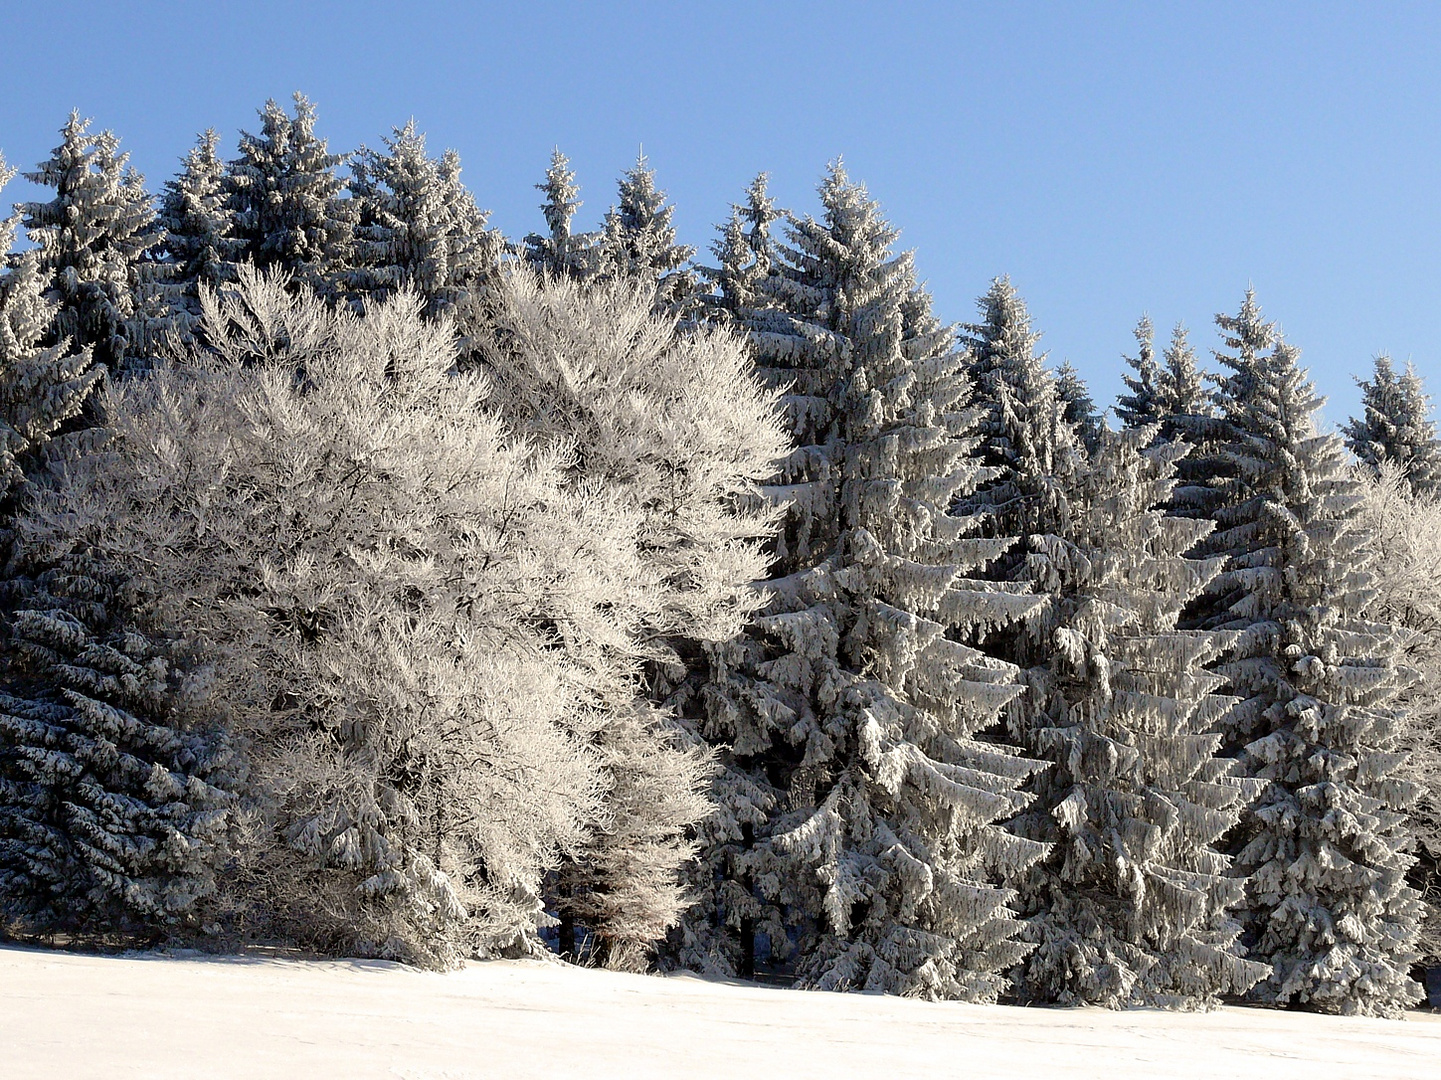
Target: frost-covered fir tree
<point>1145,403</point>
<point>114,802</point>
<point>745,253</point>
<point>283,194</point>
<point>1131,907</point>
<point>1396,426</point>
<point>637,242</point>
<point>41,387</point>
<point>857,818</point>
<point>1161,392</point>
<point>109,799</point>
<point>1025,435</point>
<point>1324,849</point>
<point>559,251</point>
<point>1079,408</point>
<point>196,221</point>
<point>419,227</point>
<point>91,240</point>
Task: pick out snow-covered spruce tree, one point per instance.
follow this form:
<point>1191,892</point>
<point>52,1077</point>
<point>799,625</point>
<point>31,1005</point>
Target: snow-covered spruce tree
<point>1079,408</point>
<point>1324,849</point>
<point>857,821</point>
<point>1145,404</point>
<point>637,243</point>
<point>283,197</point>
<point>114,800</point>
<point>1131,905</point>
<point>1403,531</point>
<point>41,387</point>
<point>1162,392</point>
<point>90,241</point>
<point>676,426</point>
<point>196,221</point>
<point>419,228</point>
<point>109,797</point>
<point>745,253</point>
<point>382,589</point>
<point>1396,426</point>
<point>1034,450</point>
<point>560,252</point>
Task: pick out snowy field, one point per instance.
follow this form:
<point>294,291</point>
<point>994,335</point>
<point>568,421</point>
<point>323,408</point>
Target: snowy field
<point>74,1016</point>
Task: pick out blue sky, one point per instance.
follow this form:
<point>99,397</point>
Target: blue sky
<point>1112,158</point>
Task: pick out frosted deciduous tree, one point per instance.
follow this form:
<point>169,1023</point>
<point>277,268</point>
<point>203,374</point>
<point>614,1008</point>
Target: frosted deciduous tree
<point>283,194</point>
<point>1396,426</point>
<point>90,241</point>
<point>196,221</point>
<point>559,251</point>
<point>858,809</point>
<point>1132,905</point>
<point>419,228</point>
<point>1324,849</point>
<point>675,426</point>
<point>637,242</point>
<point>379,587</point>
<point>1403,531</point>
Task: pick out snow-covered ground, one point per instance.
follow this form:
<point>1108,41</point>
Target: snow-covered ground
<point>70,1017</point>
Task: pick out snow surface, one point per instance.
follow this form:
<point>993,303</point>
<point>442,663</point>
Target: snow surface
<point>75,1016</point>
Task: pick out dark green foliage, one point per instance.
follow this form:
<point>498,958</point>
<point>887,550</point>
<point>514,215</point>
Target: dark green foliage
<point>283,197</point>
<point>1396,426</point>
<point>91,241</point>
<point>558,251</point>
<point>111,807</point>
<point>1324,849</point>
<point>638,243</point>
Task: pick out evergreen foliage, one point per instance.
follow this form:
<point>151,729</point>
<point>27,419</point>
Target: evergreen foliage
<point>1324,849</point>
<point>745,253</point>
<point>558,251</point>
<point>114,803</point>
<point>110,799</point>
<point>196,221</point>
<point>90,241</point>
<point>1162,392</point>
<point>283,196</point>
<point>1131,906</point>
<point>1396,426</point>
<point>1078,407</point>
<point>857,809</point>
<point>637,242</point>
<point>1027,440</point>
<point>419,228</point>
<point>41,387</point>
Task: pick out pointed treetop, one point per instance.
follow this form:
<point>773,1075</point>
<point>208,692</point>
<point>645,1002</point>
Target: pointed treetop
<point>1396,426</point>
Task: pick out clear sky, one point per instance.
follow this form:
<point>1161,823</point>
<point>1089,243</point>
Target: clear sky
<point>1113,158</point>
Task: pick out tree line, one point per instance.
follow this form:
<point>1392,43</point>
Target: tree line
<point>376,584</point>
